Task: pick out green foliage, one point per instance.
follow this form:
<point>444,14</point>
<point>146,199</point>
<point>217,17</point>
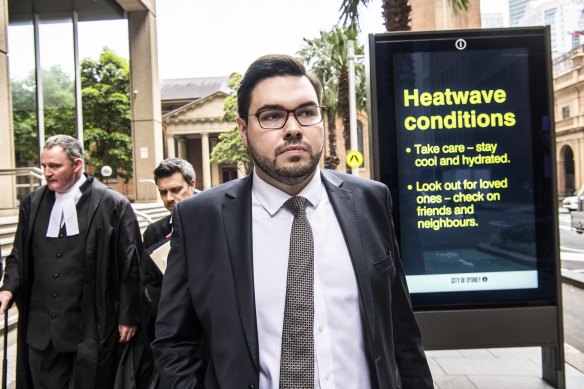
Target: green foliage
<point>396,13</point>
<point>106,114</point>
<point>459,5</point>
<point>230,105</point>
<point>350,12</point>
<point>230,150</point>
<point>24,119</point>
<point>59,112</point>
<point>326,56</point>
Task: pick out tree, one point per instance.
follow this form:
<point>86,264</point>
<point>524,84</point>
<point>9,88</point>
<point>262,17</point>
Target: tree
<point>25,122</point>
<point>106,113</point>
<point>326,56</point>
<point>230,148</point>
<point>59,111</point>
<point>396,13</point>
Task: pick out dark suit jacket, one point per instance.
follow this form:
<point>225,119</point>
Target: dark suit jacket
<point>151,274</point>
<point>157,231</point>
<point>208,289</point>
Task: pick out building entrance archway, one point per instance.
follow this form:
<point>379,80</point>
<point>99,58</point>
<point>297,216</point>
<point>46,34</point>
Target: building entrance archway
<point>567,171</point>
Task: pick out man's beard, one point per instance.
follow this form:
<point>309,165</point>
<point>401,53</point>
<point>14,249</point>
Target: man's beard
<point>288,175</point>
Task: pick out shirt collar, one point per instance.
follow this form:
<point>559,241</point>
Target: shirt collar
<point>74,190</point>
<point>272,198</point>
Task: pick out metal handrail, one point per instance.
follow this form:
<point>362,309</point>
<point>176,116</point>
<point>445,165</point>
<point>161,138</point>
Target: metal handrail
<point>24,171</point>
<point>144,216</point>
<point>33,173</point>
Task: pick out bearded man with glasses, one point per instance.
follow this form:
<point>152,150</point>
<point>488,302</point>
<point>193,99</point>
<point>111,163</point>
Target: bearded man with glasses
<point>290,277</point>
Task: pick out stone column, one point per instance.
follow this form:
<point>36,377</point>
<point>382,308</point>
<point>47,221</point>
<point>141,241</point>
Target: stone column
<point>7,183</point>
<point>560,171</point>
<point>579,161</point>
<point>145,92</point>
<point>170,148</point>
<point>206,161</point>
<point>182,148</point>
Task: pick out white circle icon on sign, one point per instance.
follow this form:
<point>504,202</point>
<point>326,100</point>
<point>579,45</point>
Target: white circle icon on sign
<point>460,44</point>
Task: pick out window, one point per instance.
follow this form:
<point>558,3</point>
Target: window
<point>566,112</point>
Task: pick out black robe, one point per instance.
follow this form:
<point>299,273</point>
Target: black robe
<point>111,293</point>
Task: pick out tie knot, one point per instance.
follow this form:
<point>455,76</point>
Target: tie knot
<point>296,204</point>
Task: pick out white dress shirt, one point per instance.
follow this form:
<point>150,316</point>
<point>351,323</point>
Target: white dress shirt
<point>340,360</point>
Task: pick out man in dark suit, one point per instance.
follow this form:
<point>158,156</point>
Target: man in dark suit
<point>176,180</point>
<point>74,275</point>
<point>232,281</point>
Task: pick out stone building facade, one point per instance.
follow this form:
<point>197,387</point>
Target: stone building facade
<point>569,119</point>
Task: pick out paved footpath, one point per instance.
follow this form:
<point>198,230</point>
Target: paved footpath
<point>492,368</point>
<point>504,368</point>
<point>495,368</point>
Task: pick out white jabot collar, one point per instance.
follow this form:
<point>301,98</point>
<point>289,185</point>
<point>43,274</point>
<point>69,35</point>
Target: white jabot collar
<point>64,211</point>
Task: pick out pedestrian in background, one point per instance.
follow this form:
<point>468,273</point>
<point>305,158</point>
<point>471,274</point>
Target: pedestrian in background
<point>175,179</point>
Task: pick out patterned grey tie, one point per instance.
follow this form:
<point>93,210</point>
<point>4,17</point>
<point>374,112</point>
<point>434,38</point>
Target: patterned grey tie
<point>297,361</point>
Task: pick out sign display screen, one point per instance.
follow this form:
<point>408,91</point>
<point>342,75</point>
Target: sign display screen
<point>463,135</point>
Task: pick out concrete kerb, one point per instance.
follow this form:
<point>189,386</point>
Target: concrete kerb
<point>573,278</point>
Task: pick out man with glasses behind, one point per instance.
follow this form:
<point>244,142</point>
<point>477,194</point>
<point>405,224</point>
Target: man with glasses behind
<point>292,275</point>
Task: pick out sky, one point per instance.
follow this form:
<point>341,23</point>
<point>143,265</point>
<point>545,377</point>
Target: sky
<point>203,39</point>
<point>216,38</point>
<point>196,38</point>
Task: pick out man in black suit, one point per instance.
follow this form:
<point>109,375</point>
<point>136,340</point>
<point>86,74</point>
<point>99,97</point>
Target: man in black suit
<point>228,279</point>
<point>74,275</point>
<point>176,180</point>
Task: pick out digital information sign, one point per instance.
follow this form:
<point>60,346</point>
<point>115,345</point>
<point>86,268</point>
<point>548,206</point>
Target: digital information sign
<point>462,126</point>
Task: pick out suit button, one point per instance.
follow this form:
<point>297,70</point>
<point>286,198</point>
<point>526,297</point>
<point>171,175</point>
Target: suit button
<point>59,255</point>
<point>54,294</point>
<point>56,275</point>
<point>61,236</point>
<point>53,315</point>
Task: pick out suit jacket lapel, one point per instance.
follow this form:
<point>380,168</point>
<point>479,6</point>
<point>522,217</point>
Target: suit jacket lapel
<point>237,223</point>
<point>94,192</point>
<point>349,220</point>
<point>83,206</point>
<point>35,203</point>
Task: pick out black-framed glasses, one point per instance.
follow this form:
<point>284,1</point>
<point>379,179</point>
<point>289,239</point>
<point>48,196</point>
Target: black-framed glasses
<point>275,119</point>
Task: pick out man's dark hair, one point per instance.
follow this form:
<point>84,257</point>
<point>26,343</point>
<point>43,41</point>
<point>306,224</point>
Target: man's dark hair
<point>268,66</point>
<point>170,166</point>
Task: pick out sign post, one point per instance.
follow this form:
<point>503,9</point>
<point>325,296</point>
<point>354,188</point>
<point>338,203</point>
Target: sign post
<point>463,137</point>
